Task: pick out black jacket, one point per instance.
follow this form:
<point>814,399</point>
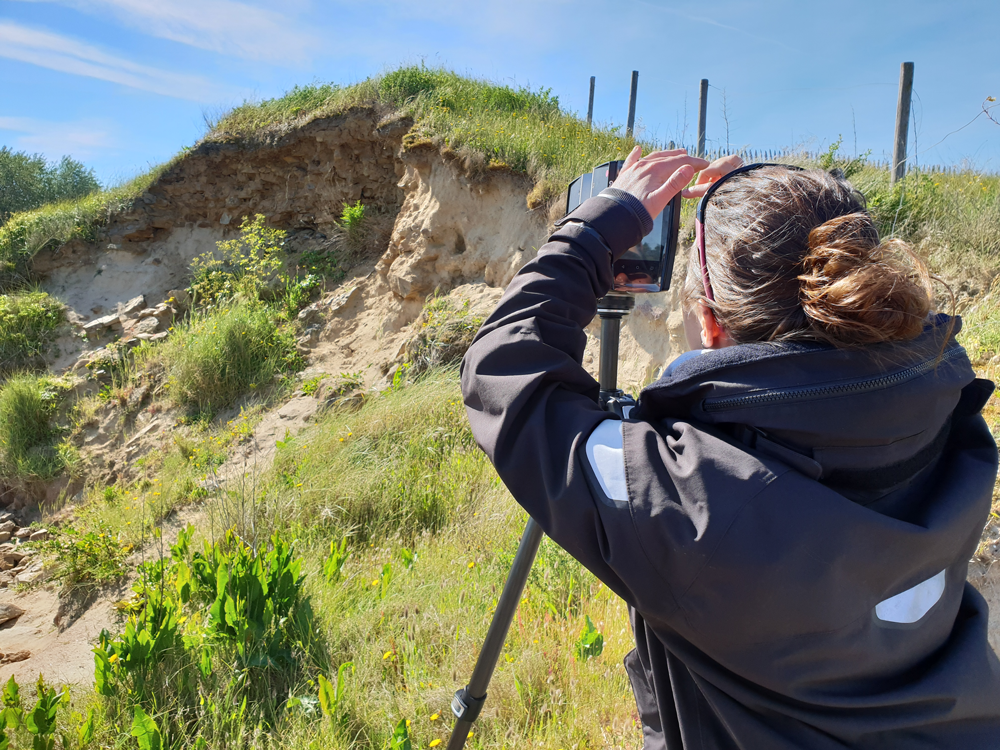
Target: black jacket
<point>790,525</point>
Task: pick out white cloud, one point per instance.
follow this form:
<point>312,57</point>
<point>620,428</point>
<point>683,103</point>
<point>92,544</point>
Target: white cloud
<point>82,139</point>
<point>224,26</point>
<point>57,52</point>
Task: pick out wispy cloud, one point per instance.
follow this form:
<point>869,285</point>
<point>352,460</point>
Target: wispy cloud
<point>224,26</point>
<point>58,52</point>
<point>82,139</point>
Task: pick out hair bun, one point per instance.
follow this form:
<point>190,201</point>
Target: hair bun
<point>856,290</point>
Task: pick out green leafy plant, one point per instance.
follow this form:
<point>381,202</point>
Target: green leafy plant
<point>41,720</point>
<point>145,731</point>
<point>330,696</point>
<point>352,218</point>
<point>400,739</point>
<point>13,714</point>
<point>243,266</point>
<point>590,644</point>
<point>409,557</point>
<point>334,564</point>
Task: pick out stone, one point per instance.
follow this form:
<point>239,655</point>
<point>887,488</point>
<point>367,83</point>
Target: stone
<point>11,555</point>
<point>9,612</point>
<point>103,322</point>
<point>22,533</point>
<point>4,536</point>
<point>15,656</point>
<point>8,526</point>
<point>151,336</point>
<point>42,535</point>
<point>131,308</point>
<point>33,574</point>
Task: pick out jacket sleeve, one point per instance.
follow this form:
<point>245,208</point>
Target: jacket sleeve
<point>529,400</point>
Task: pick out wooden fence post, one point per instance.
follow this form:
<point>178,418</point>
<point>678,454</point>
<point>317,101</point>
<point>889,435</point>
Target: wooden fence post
<point>590,104</point>
<point>902,121</point>
<point>631,104</point>
<point>702,115</point>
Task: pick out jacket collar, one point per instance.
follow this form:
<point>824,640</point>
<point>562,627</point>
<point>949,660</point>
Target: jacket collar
<point>847,409</point>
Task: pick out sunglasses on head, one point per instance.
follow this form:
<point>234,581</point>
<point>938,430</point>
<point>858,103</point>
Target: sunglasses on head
<point>699,222</point>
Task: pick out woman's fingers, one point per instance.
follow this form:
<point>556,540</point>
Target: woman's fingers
<point>714,172</point>
<point>674,184</point>
<point>633,157</point>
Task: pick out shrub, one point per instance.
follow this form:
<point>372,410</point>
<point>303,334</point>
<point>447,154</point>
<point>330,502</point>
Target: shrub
<point>248,263</point>
<point>352,217</point>
<point>220,355</point>
<point>27,324</point>
<point>27,406</point>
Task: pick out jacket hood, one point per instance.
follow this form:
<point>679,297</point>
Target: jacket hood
<point>844,409</point>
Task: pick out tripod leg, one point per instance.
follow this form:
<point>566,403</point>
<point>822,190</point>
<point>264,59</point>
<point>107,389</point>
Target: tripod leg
<point>468,701</point>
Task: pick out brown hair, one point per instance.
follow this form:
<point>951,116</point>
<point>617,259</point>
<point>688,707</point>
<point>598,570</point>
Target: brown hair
<point>794,255</point>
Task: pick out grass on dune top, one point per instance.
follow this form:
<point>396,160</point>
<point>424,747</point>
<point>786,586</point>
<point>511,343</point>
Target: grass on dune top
<point>523,129</point>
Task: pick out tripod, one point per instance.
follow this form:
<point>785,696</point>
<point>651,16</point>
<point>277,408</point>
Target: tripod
<point>468,701</point>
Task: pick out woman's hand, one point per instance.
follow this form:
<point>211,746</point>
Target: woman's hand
<point>715,171</point>
<point>657,178</point>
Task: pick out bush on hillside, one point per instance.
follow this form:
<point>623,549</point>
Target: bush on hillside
<point>28,321</point>
<point>218,356</point>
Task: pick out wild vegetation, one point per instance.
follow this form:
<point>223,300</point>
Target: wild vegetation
<point>338,597</point>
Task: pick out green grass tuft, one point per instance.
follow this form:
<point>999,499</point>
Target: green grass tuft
<point>27,433</point>
<point>28,321</point>
<point>217,356</point>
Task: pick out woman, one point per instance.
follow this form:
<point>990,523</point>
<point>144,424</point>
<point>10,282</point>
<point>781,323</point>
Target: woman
<point>789,513</point>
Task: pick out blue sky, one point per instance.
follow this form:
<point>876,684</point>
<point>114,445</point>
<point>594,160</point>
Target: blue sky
<point>123,84</point>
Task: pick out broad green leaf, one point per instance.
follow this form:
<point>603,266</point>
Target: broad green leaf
<point>327,696</point>
<point>400,739</point>
<point>145,731</point>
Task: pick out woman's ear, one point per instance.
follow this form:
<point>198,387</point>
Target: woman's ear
<point>712,335</point>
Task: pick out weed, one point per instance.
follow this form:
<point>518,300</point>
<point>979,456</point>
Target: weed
<point>351,218</point>
<point>334,564</point>
<point>88,559</point>
<point>311,386</point>
<point>244,267</point>
<point>445,334</point>
<point>225,604</point>
<point>590,644</point>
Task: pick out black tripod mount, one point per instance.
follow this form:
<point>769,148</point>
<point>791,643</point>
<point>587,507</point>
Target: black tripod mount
<point>469,701</point>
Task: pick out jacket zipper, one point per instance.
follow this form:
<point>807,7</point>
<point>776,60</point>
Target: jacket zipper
<point>781,395</point>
